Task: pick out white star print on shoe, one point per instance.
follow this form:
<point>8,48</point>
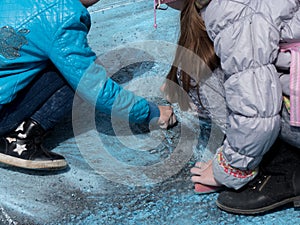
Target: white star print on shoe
<point>23,148</point>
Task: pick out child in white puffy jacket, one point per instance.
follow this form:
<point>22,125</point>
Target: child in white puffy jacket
<point>243,43</point>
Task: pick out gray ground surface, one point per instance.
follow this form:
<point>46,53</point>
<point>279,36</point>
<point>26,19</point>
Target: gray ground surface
<point>118,175</point>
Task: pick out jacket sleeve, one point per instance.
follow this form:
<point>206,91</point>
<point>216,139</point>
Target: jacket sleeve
<point>246,38</point>
<point>74,58</point>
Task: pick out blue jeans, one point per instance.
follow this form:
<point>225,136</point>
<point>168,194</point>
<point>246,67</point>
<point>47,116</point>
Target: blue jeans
<point>47,99</point>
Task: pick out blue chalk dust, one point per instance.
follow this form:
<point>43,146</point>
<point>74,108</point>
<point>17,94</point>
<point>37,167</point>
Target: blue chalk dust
<point>83,194</point>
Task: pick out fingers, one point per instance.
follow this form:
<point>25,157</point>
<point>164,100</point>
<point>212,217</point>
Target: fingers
<point>197,171</point>
<point>203,164</point>
<point>202,168</point>
<point>172,120</point>
<point>197,179</point>
<point>167,117</point>
<point>203,173</point>
<point>163,125</point>
<point>207,180</point>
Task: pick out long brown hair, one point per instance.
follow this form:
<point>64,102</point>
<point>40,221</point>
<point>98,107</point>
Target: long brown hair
<point>193,38</point>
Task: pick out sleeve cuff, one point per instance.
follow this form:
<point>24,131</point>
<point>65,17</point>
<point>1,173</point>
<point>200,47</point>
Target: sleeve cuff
<point>229,176</point>
<point>154,113</point>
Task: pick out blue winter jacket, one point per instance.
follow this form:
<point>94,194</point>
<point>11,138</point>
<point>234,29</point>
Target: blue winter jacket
<point>34,32</point>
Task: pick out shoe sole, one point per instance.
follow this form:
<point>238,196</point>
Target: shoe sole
<point>295,200</point>
<point>36,165</point>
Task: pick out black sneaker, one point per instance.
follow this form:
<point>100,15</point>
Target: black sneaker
<point>23,148</point>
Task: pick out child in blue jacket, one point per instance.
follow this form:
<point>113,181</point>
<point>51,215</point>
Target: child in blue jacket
<point>44,59</point>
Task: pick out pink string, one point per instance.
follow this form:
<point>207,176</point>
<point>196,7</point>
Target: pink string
<point>155,24</point>
<point>155,7</point>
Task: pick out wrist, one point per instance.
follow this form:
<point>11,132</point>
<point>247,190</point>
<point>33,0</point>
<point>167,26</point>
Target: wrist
<point>154,113</point>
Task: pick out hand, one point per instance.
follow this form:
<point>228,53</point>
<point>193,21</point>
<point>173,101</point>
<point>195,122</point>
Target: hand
<point>203,172</point>
<point>167,117</point>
